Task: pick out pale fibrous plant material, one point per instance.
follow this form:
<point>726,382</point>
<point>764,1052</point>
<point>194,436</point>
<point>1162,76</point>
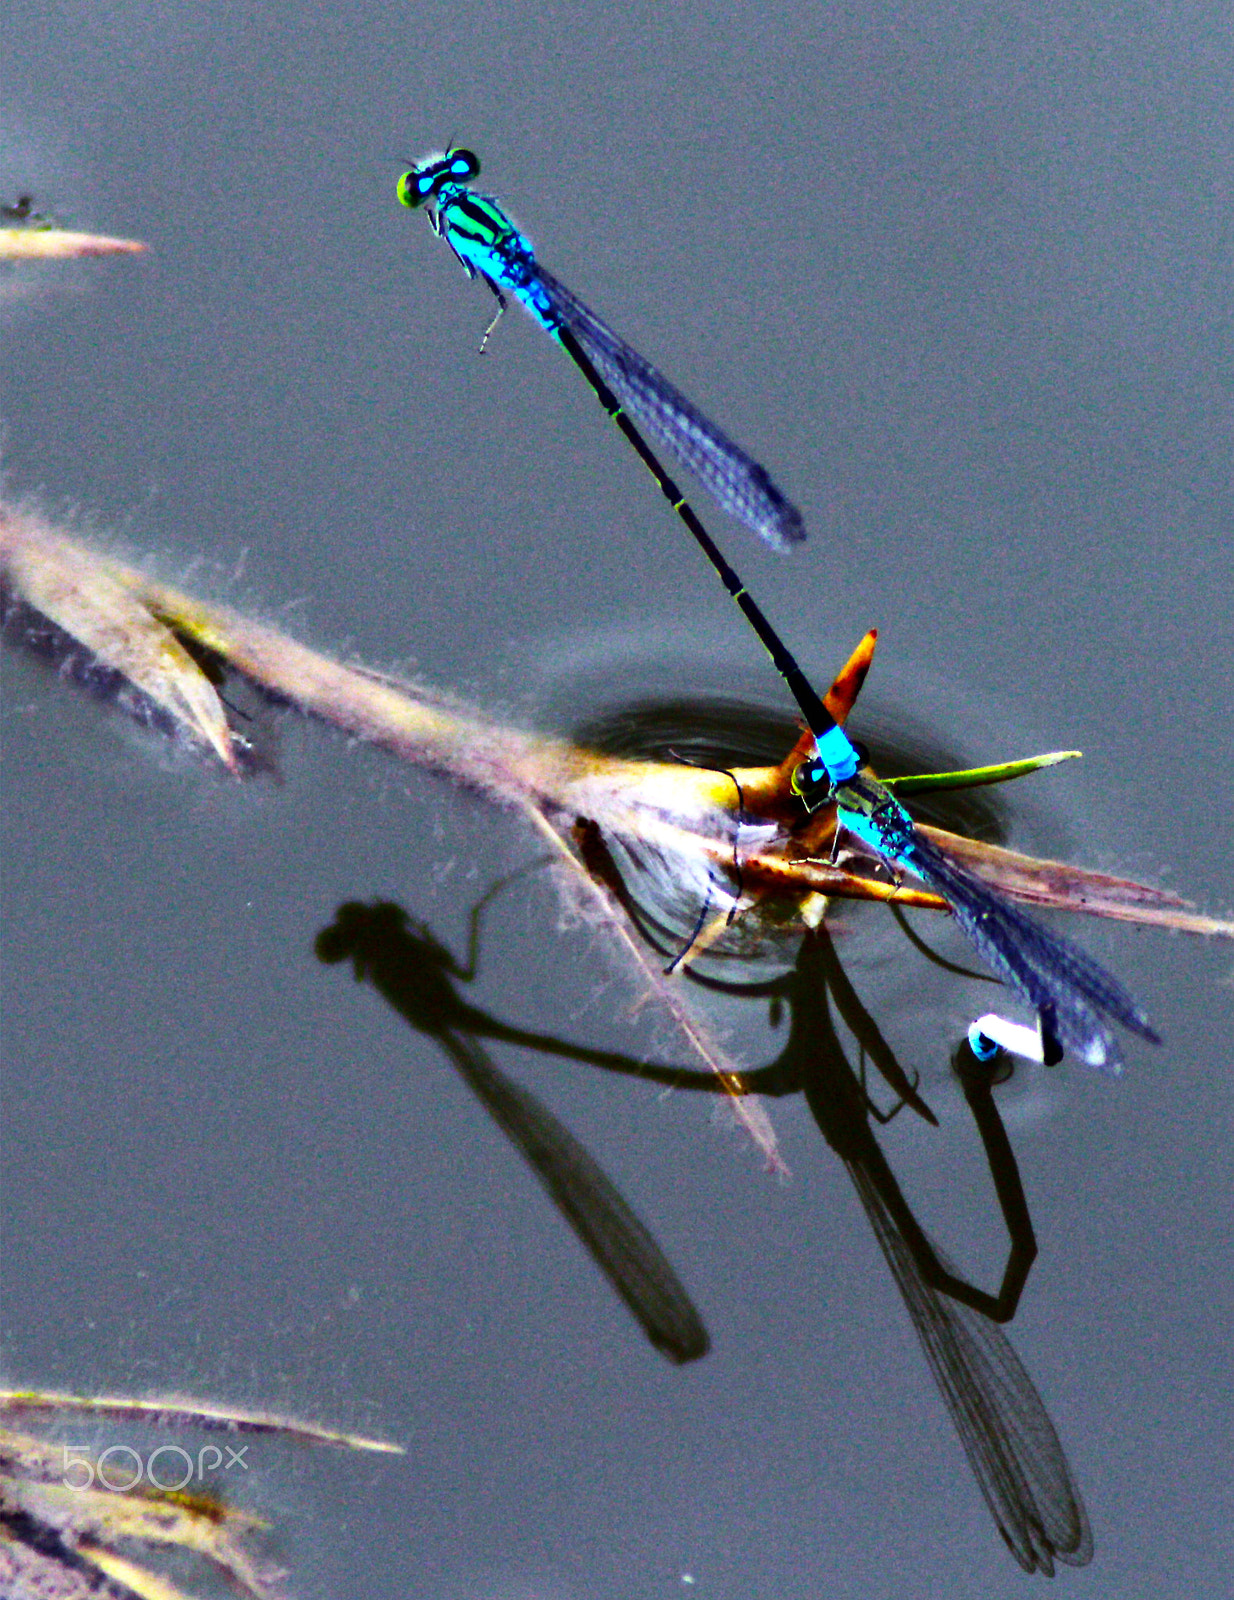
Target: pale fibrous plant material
<point>51,244</point>
<point>73,1525</point>
<point>182,1411</point>
<point>27,234</point>
<point>161,654</point>
<point>142,643</point>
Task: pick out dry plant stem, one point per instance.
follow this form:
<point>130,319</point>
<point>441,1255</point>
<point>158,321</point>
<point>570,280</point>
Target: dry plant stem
<point>33,244</point>
<point>62,1535</point>
<point>686,812</point>
<point>179,1411</point>
<point>747,1108</point>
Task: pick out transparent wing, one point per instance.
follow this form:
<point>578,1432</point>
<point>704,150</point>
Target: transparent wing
<point>1053,975</point>
<point>741,486</point>
<point>1007,1435</point>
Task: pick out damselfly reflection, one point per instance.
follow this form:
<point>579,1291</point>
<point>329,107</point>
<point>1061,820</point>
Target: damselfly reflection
<point>417,975</point>
<point>1007,1435</point>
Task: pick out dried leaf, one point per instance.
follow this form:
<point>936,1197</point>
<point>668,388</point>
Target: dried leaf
<point>59,1537</point>
<point>106,629</point>
<point>56,244</point>
<point>137,1580</point>
<point>29,1573</point>
<point>1062,887</point>
<point>105,1518</point>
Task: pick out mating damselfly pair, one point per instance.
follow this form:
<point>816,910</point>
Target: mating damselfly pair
<point>1074,998</point>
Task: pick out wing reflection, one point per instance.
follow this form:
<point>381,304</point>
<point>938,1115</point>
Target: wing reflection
<point>416,974</point>
<point>1011,1444</point>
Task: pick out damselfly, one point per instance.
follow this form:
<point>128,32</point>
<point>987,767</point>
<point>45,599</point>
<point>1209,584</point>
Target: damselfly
<point>1070,992</point>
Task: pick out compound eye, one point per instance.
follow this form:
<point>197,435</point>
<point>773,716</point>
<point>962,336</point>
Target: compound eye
<point>811,784</point>
<point>410,189</point>
<point>464,165</point>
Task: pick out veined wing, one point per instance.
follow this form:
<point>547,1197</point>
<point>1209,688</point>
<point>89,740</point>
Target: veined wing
<point>741,486</point>
<point>1053,975</point>
<point>1007,1436</point>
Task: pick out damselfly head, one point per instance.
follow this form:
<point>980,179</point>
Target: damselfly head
<point>421,184</point>
<point>811,783</point>
<point>417,185</point>
<point>407,191</point>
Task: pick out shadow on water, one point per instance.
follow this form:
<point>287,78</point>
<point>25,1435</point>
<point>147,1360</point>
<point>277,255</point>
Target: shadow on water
<point>1011,1444</point>
<point>417,975</point>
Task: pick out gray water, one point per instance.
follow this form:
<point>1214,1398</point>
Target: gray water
<point>963,282</point>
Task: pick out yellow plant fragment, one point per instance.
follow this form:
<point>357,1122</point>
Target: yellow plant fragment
<point>203,1527</point>
<point>138,1580</point>
<point>57,244</point>
<point>58,1538</point>
<point>27,1573</point>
